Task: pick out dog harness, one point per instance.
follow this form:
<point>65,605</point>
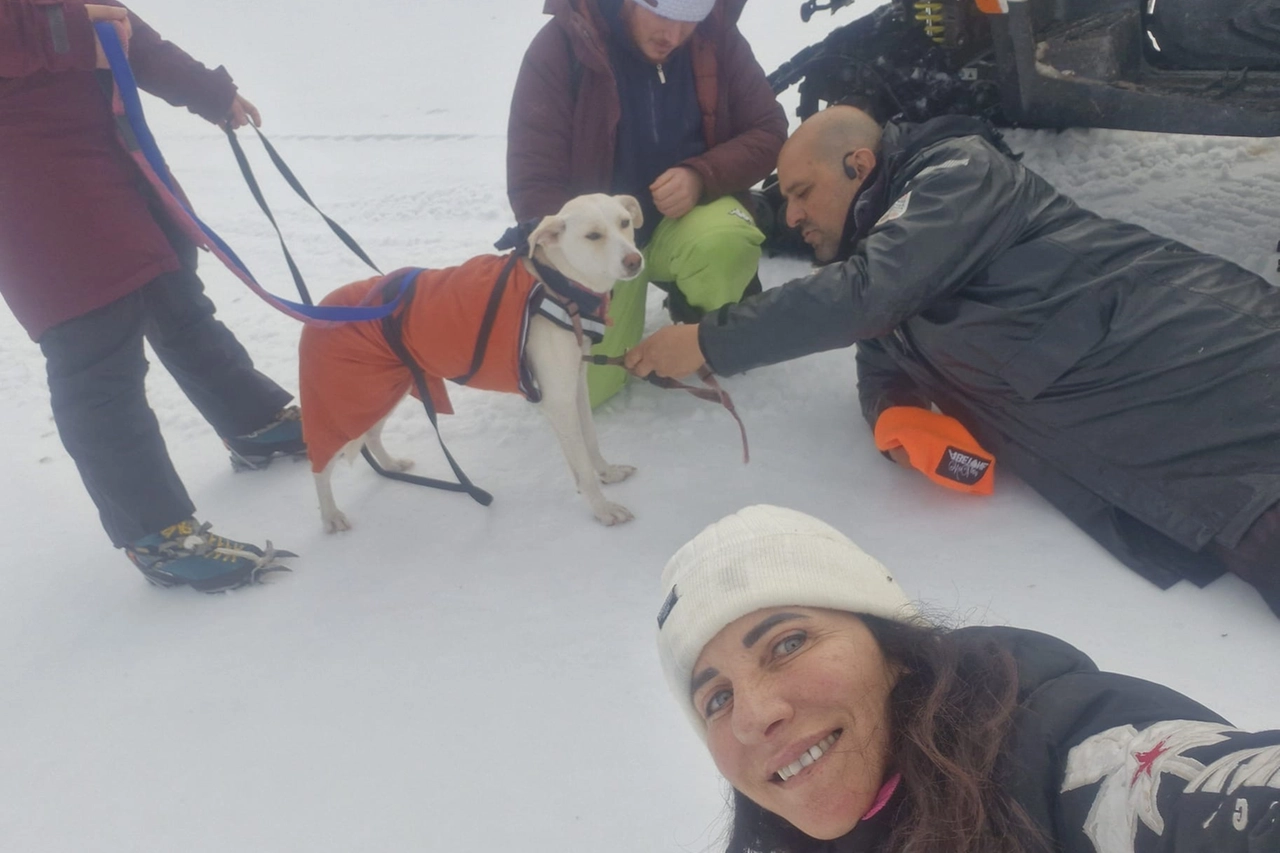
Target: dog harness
<point>468,324</point>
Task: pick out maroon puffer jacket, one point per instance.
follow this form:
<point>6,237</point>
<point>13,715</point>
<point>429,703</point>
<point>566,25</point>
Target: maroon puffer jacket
<point>76,232</point>
<point>559,146</point>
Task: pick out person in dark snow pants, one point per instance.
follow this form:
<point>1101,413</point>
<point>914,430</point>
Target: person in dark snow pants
<point>848,724</point>
<point>91,265</point>
<point>1131,380</point>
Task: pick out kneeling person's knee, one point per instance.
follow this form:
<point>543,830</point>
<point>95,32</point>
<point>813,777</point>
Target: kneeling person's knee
<point>719,266</point>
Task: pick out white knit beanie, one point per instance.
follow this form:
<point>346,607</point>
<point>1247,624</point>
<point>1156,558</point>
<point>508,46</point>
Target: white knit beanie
<point>762,556</point>
<point>690,11</point>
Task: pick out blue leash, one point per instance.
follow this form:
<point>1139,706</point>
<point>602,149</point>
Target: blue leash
<point>139,134</point>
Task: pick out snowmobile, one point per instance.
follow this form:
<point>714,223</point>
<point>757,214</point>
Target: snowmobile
<point>1174,66</point>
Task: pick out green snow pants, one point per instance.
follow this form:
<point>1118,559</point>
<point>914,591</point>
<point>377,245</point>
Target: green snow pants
<point>710,255</point>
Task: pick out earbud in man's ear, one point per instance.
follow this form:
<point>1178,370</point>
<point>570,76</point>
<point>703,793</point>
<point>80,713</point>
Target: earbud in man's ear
<point>850,171</point>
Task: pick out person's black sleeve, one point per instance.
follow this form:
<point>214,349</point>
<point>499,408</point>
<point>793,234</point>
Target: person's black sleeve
<point>964,204</point>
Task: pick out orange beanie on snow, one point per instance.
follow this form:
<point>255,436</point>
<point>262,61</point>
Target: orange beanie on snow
<point>939,447</point>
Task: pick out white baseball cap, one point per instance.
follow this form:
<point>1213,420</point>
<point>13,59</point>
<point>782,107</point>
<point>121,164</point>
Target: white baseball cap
<point>678,10</point>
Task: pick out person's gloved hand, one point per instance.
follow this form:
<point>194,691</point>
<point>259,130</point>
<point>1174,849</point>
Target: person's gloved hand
<point>938,446</point>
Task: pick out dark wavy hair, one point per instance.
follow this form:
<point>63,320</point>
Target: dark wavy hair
<point>950,715</point>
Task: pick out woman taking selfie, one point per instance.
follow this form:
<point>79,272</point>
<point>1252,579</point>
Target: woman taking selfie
<point>846,723</point>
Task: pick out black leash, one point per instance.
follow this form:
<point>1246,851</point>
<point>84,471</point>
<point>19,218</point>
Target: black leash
<point>293,182</point>
<point>396,288</point>
<point>486,322</point>
<point>392,330</point>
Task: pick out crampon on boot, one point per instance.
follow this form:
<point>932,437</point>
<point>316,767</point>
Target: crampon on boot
<point>281,437</point>
<point>187,554</point>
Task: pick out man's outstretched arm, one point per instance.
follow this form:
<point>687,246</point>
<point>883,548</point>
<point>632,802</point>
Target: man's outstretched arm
<point>799,318</point>
<point>949,224</point>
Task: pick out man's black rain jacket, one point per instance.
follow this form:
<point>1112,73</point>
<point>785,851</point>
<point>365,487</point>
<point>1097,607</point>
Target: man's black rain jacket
<point>1131,380</point>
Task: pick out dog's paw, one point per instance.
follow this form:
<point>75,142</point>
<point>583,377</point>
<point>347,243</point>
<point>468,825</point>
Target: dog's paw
<point>610,514</point>
<point>400,465</point>
<point>336,523</point>
<point>616,473</point>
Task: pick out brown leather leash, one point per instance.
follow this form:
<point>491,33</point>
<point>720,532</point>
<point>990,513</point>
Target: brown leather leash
<point>713,393</point>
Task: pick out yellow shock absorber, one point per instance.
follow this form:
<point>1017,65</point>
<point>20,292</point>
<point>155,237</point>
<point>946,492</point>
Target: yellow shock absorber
<point>929,14</point>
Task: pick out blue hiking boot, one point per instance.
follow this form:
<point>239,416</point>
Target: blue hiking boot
<point>187,554</point>
<point>281,437</point>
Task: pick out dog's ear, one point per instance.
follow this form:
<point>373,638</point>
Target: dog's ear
<point>547,233</point>
<point>632,207</point>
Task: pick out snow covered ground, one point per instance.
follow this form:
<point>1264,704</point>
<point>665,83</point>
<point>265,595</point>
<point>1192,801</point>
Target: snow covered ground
<point>449,677</point>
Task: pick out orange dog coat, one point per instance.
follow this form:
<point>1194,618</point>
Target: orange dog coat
<point>349,378</point>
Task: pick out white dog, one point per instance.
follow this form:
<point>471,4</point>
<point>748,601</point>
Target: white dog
<point>351,380</point>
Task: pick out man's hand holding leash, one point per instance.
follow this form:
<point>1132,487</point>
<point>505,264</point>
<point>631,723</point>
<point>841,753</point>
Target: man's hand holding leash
<point>671,352</point>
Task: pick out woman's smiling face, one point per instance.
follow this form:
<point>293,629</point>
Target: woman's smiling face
<point>796,704</point>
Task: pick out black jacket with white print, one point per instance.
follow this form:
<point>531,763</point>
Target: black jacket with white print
<point>1106,763</point>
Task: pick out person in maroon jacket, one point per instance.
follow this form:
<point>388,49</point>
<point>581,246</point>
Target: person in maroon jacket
<point>90,266</point>
<point>662,100</point>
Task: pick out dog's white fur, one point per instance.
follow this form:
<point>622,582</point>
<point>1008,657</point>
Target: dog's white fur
<point>591,241</point>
